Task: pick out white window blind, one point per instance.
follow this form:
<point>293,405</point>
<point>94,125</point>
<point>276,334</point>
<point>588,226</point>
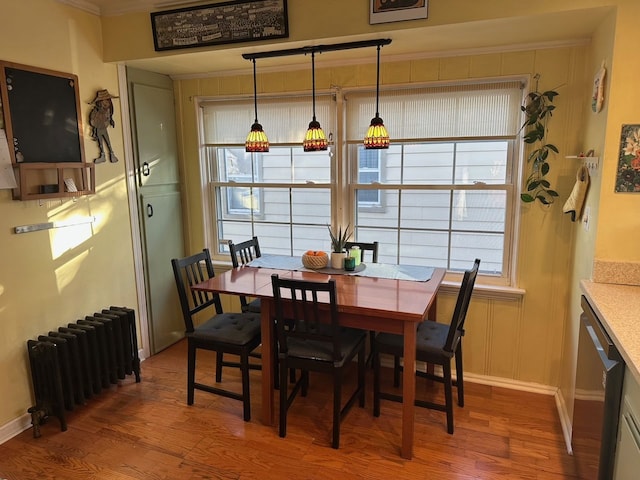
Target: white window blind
<point>284,119</point>
<point>466,110</point>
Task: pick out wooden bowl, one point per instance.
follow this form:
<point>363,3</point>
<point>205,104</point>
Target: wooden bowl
<point>315,262</point>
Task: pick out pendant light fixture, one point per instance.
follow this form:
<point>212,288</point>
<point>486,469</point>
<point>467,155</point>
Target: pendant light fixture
<point>315,139</point>
<point>257,140</point>
<point>377,136</point>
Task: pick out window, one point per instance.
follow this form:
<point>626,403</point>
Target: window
<point>443,194</point>
<point>283,196</point>
<point>447,180</point>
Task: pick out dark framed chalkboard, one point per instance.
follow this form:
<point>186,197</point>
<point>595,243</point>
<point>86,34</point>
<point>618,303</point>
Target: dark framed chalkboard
<point>41,115</point>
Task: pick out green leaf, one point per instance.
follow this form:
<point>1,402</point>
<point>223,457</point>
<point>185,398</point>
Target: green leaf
<point>550,146</point>
<point>542,199</point>
<point>553,193</point>
<point>533,185</point>
<point>526,198</point>
<point>545,183</point>
<point>544,169</point>
<point>550,94</point>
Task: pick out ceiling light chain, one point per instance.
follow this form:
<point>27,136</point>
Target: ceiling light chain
<point>257,140</point>
<point>377,136</point>
<point>315,139</point>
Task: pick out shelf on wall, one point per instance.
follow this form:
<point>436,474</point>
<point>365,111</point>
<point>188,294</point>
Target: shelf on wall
<point>54,180</point>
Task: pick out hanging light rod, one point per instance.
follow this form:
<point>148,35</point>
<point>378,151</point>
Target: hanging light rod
<point>317,48</point>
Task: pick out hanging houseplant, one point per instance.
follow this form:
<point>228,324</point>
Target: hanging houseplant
<point>538,109</point>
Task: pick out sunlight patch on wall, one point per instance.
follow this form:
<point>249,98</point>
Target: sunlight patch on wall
<point>66,272</point>
<point>64,239</point>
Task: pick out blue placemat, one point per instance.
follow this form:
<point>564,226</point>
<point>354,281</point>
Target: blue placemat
<point>415,273</point>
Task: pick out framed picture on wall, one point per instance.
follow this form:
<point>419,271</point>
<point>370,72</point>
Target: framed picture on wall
<point>227,22</point>
<point>384,11</point>
<point>628,174</point>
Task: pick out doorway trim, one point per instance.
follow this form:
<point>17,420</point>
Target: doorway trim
<point>132,194</point>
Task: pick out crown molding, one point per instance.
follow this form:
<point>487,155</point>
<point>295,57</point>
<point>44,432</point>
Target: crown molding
<point>395,58</point>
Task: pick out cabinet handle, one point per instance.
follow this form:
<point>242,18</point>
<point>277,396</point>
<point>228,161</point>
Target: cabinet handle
<point>149,210</point>
<point>145,169</point>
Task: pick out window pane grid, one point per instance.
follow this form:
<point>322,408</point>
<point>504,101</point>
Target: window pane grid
<point>441,195</point>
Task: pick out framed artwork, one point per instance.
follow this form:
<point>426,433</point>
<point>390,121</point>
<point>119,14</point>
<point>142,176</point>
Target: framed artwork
<point>628,174</point>
<point>227,22</point>
<point>384,11</point>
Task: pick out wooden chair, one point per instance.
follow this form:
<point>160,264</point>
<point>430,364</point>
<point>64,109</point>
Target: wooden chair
<point>233,333</point>
<point>311,339</point>
<point>241,254</point>
<point>373,248</point>
<point>365,247</point>
<point>436,344</point>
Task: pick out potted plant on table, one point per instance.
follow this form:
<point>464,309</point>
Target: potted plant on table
<point>338,246</point>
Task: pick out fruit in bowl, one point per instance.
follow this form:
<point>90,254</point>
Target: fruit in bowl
<point>315,259</point>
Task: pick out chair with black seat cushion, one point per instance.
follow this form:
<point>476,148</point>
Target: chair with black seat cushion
<point>436,344</point>
<point>311,339</point>
<point>373,248</point>
<point>241,254</point>
<point>232,333</point>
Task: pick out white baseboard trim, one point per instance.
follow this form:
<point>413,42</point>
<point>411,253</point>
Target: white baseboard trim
<point>510,383</point>
<point>15,427</point>
<point>565,420</point>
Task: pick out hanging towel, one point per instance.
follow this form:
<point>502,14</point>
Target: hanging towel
<point>574,203</point>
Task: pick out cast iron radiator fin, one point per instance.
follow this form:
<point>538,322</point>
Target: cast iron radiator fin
<point>79,360</point>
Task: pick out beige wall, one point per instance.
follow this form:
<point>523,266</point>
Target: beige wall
<point>49,278</point>
<point>592,136</point>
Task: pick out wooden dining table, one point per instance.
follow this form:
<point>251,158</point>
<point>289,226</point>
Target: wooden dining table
<point>379,304</point>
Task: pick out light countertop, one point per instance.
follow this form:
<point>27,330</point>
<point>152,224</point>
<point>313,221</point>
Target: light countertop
<point>618,307</point>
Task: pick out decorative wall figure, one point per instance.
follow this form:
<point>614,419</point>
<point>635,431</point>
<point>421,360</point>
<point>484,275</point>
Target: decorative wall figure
<point>100,118</point>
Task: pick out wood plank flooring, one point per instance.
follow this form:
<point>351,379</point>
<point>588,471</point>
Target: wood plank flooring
<point>146,431</point>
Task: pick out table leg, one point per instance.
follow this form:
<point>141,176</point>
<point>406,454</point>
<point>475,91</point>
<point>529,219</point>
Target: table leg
<point>266,325</point>
<point>408,389</point>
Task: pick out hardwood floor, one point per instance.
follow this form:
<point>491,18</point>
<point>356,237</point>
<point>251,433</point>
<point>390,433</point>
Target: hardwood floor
<point>146,431</point>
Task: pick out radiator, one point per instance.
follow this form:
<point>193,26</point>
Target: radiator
<point>79,360</point>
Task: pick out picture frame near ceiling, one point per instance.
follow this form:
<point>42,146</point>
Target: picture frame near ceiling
<point>384,11</point>
<point>220,23</point>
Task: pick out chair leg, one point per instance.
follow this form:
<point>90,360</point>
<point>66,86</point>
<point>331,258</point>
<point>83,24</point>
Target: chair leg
<point>376,383</point>
<point>396,371</point>
<point>305,382</point>
<point>284,388</point>
<point>448,397</point>
<point>337,396</point>
<point>191,372</point>
<point>218,367</point>
<point>361,375</point>
<point>246,397</point>
<point>459,375</point>
<point>372,343</point>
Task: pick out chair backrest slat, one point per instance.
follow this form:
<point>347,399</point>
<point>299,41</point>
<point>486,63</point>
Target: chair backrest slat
<point>365,247</point>
<point>188,272</point>
<point>244,252</point>
<point>456,329</point>
<point>241,254</point>
<point>301,312</point>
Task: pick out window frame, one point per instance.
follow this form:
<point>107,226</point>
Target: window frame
<point>511,187</point>
<point>341,186</point>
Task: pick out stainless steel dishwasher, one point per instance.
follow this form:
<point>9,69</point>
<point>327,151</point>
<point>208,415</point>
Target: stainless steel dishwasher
<point>599,375</point>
